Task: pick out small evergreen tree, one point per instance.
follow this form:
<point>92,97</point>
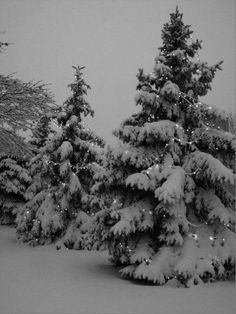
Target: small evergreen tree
<point>14,180</point>
<point>64,170</point>
<point>173,216</point>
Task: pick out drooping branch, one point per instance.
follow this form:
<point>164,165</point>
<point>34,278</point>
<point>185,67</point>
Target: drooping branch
<point>13,145</point>
<point>21,103</point>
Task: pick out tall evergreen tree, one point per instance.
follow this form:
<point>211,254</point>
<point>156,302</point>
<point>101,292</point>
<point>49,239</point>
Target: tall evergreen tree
<point>173,216</point>
<point>64,169</point>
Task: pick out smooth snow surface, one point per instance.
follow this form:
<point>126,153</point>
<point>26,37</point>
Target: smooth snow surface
<point>44,280</point>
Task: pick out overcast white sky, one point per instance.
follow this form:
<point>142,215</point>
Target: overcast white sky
<point>112,38</point>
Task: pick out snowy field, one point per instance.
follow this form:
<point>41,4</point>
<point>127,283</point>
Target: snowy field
<point>44,280</point>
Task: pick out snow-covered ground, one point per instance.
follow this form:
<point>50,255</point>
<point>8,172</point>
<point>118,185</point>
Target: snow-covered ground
<point>44,280</point>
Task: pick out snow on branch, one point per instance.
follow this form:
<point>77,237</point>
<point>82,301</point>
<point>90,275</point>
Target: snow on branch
<point>161,69</point>
<point>13,145</point>
<point>209,115</point>
<point>128,133</point>
<point>218,139</point>
<point>190,265</point>
<point>158,269</point>
<point>139,180</point>
<point>173,188</point>
<point>209,167</point>
<point>163,130</point>
<point>130,218</point>
<point>65,150</point>
<point>140,157</point>
<point>48,217</point>
<point>170,91</point>
<point>207,200</point>
<point>21,103</point>
<point>145,97</point>
<point>75,185</point>
<point>142,251</point>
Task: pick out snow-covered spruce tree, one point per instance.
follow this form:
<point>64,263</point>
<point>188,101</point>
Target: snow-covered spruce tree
<point>40,137</point>
<point>14,180</point>
<point>173,217</point>
<point>63,173</point>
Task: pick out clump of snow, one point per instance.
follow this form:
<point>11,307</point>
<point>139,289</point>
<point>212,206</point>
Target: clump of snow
<point>132,218</point>
<point>48,217</point>
<point>137,156</point>
<point>65,168</point>
<point>164,130</point>
<point>208,200</point>
<point>65,150</point>
<point>170,91</point>
<point>210,167</point>
<point>140,180</point>
<point>158,269</point>
<point>75,184</point>
<point>161,69</point>
<point>172,189</point>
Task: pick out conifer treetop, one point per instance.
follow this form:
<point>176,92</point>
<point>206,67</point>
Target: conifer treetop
<point>175,35</point>
<point>178,63</point>
<point>76,105</point>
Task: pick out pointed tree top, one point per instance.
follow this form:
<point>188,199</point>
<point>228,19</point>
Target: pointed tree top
<point>76,104</point>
